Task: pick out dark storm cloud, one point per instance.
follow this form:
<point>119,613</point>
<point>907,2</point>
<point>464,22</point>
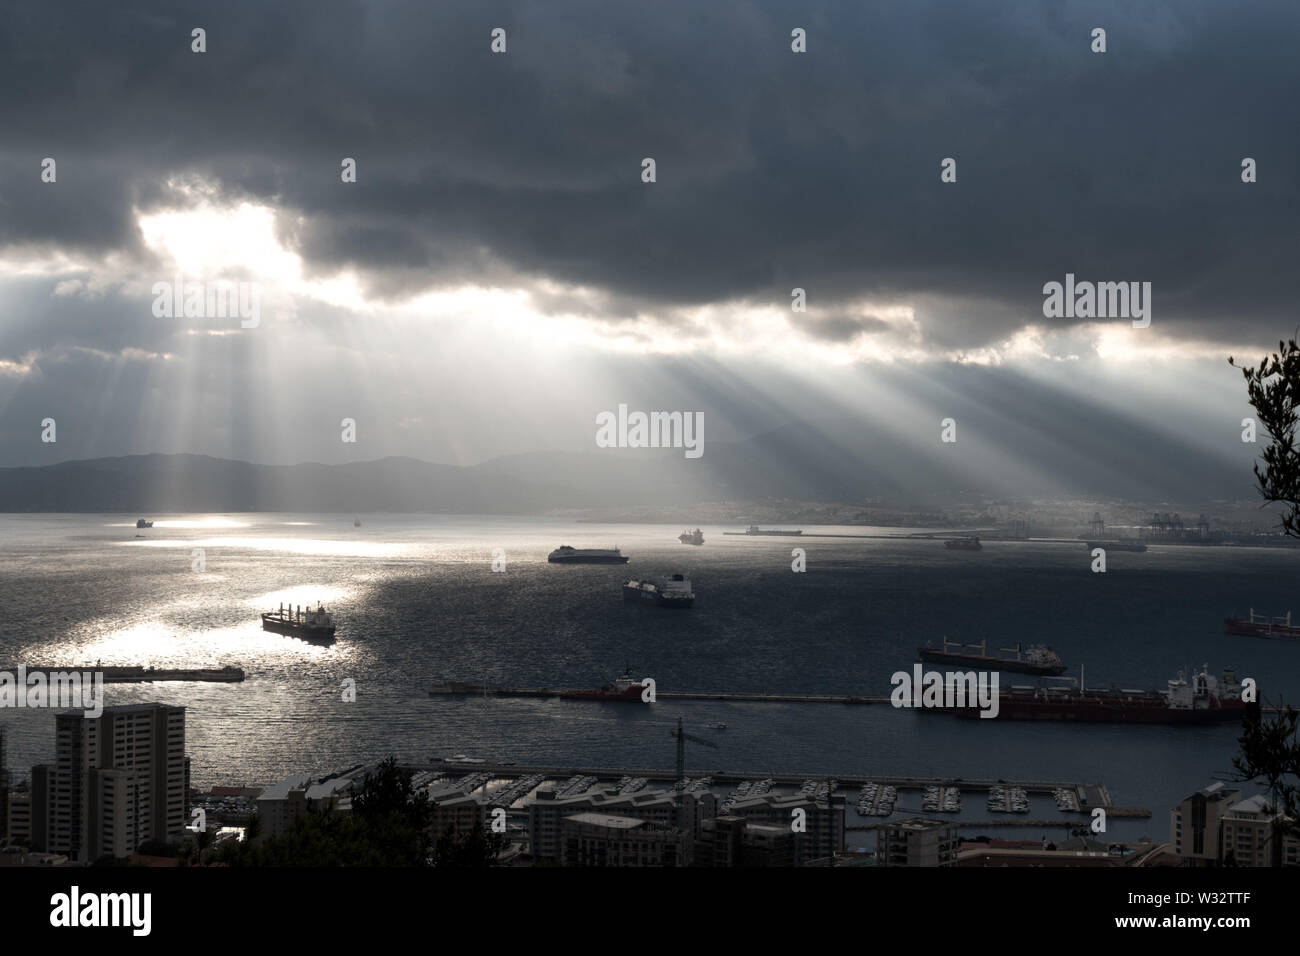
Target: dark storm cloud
<point>775,170</point>
<point>844,328</point>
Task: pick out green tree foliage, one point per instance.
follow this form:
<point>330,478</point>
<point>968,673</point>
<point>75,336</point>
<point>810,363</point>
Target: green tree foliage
<point>1270,748</point>
<point>1273,388</point>
<point>390,824</point>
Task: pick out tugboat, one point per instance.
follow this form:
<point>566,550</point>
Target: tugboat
<point>625,689</point>
<point>675,591</point>
<point>567,555</point>
<point>691,537</point>
<point>969,542</point>
<point>309,625</point>
<point>1037,659</point>
<point>141,523</point>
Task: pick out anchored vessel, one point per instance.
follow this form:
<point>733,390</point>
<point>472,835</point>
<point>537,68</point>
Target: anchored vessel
<point>1259,625</point>
<point>317,625</point>
<point>141,523</point>
<point>624,689</point>
<point>967,543</point>
<point>691,537</point>
<point>1116,545</point>
<point>1037,659</point>
<point>567,555</point>
<point>674,591</point>
<point>1202,701</point>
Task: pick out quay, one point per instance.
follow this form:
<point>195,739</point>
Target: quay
<point>121,674</point>
<point>489,690</point>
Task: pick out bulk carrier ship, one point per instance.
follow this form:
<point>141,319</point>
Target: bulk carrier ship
<point>1037,659</point>
<point>1259,625</point>
<point>567,555</point>
<point>309,625</point>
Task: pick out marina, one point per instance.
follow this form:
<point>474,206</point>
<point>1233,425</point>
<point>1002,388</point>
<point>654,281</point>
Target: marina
<point>876,796</point>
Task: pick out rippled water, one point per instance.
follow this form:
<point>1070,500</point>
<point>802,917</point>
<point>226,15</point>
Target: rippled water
<point>416,601</point>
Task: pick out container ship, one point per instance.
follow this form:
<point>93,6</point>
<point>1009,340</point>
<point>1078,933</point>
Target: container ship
<point>1258,625</point>
<point>968,543</point>
<point>1202,701</point>
<point>624,689</point>
<point>309,625</point>
<point>1037,659</point>
<point>567,555</point>
<point>691,537</point>
<point>674,591</point>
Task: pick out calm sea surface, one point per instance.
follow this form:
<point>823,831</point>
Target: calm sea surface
<point>417,601</point>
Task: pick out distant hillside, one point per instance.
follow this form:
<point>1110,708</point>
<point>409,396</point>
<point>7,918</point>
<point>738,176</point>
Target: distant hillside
<point>843,461</point>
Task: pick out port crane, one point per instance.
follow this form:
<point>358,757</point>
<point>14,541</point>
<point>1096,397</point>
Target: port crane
<point>682,736</point>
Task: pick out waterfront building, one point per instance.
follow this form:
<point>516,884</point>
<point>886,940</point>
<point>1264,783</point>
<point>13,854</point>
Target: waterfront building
<point>1250,838</point>
<point>1195,830</point>
<point>730,840</point>
<point>118,780</point>
<point>605,839</point>
<point>823,821</point>
<point>917,842</point>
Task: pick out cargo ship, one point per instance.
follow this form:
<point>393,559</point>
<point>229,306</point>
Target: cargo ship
<point>1116,545</point>
<point>1201,701</point>
<point>967,543</point>
<point>1037,659</point>
<point>567,555</point>
<point>624,689</point>
<point>141,523</point>
<point>691,537</point>
<point>1258,625</point>
<point>309,625</point>
<point>674,591</point>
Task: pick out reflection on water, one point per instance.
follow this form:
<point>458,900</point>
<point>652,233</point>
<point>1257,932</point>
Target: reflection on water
<point>415,598</point>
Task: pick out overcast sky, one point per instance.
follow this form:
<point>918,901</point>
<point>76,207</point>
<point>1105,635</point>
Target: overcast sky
<point>499,272</point>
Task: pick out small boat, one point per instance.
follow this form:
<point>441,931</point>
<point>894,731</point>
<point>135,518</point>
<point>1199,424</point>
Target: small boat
<point>718,726</point>
<point>967,543</point>
<point>674,591</point>
<point>356,522</point>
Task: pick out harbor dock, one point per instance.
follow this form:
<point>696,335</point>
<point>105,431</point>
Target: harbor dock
<point>120,674</point>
